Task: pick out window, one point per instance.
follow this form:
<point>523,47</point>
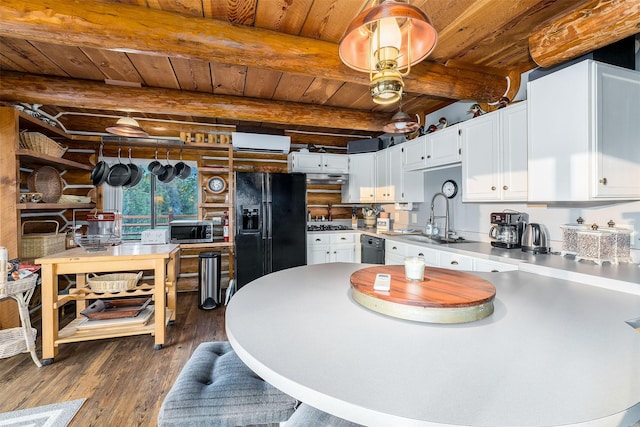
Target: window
<point>151,203</point>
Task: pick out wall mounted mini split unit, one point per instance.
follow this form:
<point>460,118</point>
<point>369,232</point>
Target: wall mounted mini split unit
<point>260,143</point>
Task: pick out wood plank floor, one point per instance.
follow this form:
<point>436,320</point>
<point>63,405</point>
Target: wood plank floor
<point>123,379</point>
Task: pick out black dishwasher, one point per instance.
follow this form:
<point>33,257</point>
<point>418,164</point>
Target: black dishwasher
<point>372,251</point>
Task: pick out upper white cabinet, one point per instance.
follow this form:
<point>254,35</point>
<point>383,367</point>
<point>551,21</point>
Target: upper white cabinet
<point>393,182</point>
<point>361,187</point>
<point>494,156</point>
<point>584,133</point>
<point>318,163</point>
<point>440,148</point>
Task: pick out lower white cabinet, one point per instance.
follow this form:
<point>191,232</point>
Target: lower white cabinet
<point>331,247</point>
<point>455,261</point>
<point>484,265</point>
<point>431,256</point>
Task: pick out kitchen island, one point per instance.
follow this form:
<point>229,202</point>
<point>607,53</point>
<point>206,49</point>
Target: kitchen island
<point>162,259</point>
<point>554,352</point>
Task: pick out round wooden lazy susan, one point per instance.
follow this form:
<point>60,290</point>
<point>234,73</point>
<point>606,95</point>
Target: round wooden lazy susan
<point>443,296</point>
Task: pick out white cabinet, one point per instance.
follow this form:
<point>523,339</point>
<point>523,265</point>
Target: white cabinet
<point>437,149</point>
<point>431,256</point>
<point>394,252</point>
<point>494,156</point>
<point>361,187</point>
<point>584,128</point>
<point>455,261</point>
<point>393,183</point>
<point>331,247</point>
<point>484,265</point>
<point>318,163</point>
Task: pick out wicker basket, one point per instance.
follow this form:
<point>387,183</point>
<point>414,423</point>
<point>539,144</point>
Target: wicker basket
<point>12,341</point>
<point>46,180</point>
<point>36,141</point>
<point>37,245</point>
<point>113,282</point>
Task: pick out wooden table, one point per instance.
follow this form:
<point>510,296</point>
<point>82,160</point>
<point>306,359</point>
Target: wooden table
<point>162,259</point>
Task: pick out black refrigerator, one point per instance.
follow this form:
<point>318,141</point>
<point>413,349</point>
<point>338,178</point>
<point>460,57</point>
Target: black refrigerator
<point>271,223</point>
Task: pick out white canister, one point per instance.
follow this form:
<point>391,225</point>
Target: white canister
<point>4,259</point>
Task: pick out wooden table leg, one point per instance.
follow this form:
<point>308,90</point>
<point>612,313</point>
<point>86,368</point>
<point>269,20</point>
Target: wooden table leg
<point>49,291</point>
<point>173,269</point>
<point>160,302</point>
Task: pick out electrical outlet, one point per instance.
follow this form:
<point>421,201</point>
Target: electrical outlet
<point>414,218</point>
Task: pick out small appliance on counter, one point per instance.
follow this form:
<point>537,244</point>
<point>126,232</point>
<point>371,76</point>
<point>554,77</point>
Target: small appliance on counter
<point>156,236</point>
<point>188,231</point>
<point>535,239</point>
<point>507,229</point>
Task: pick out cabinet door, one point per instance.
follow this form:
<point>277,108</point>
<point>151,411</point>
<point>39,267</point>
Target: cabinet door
<point>431,257</point>
<point>617,110</point>
<point>444,147</point>
<point>318,254</point>
<point>415,154</point>
<point>335,163</point>
<point>394,163</point>
<point>383,193</point>
<point>362,181</point>
<point>305,162</point>
<point>394,252</point>
<point>492,266</point>
<point>513,145</point>
<point>456,262</point>
<point>480,158</point>
<point>343,253</point>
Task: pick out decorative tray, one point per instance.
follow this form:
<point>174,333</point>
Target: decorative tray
<point>115,308</point>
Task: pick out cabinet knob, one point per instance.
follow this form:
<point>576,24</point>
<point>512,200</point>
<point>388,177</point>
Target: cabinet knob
<point>493,188</point>
<point>421,157</point>
<point>454,262</point>
<point>603,181</point>
<point>394,247</point>
<point>318,240</point>
<point>429,156</point>
<point>420,254</point>
<point>320,166</point>
<point>343,238</point>
<point>328,252</point>
<point>495,271</point>
<point>505,187</point>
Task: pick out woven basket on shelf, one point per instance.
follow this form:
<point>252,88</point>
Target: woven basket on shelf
<point>37,245</point>
<point>12,341</point>
<point>46,180</point>
<point>113,282</point>
<point>36,141</point>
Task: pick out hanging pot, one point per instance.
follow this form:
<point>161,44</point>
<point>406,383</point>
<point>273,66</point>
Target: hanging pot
<point>168,172</point>
<point>183,170</point>
<point>119,173</point>
<point>100,170</point>
<point>155,167</point>
<point>136,173</point>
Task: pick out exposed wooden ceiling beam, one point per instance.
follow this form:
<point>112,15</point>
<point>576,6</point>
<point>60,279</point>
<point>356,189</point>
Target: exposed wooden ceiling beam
<point>594,24</point>
<point>127,28</point>
<point>35,89</point>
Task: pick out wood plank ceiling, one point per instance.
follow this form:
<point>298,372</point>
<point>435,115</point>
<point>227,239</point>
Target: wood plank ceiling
<point>190,65</point>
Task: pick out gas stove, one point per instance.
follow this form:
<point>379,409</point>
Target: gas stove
<point>324,227</point>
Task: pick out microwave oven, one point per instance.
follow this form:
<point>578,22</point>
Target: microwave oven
<point>188,231</point>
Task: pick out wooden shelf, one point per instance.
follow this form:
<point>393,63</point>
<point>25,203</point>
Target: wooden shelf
<point>212,146</point>
<point>213,169</point>
<point>206,245</point>
<point>34,158</point>
<point>214,205</point>
<point>54,206</point>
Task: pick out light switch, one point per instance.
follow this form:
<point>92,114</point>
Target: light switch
<point>414,218</point>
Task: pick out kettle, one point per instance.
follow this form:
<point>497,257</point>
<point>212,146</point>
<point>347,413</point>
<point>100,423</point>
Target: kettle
<point>534,239</point>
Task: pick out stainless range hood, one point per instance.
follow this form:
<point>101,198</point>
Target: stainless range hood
<point>327,178</point>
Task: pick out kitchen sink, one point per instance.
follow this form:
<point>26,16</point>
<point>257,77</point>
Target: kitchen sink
<point>437,240</point>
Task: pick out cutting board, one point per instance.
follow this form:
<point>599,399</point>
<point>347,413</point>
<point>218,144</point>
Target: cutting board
<point>443,296</point>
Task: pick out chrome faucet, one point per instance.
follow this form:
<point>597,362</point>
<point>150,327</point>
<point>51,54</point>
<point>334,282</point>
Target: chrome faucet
<point>432,217</point>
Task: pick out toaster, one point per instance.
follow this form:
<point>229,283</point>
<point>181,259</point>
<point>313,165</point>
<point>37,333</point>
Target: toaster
<point>155,236</point>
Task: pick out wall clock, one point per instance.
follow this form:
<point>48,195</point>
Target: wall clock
<point>450,188</point>
<point>216,184</point>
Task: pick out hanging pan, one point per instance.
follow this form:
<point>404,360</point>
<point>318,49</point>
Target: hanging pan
<point>100,170</point>
<point>155,167</point>
<point>119,173</point>
<point>136,173</point>
<point>168,172</point>
<point>183,170</point>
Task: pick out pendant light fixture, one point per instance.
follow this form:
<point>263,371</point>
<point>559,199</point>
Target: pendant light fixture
<point>386,40</point>
<point>402,122</point>
<point>126,126</point>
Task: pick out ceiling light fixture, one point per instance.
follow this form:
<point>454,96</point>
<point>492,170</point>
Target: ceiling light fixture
<point>402,122</point>
<point>126,126</point>
<point>386,40</point>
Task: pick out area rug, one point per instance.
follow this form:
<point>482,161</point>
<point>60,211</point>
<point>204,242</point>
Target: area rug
<point>54,415</point>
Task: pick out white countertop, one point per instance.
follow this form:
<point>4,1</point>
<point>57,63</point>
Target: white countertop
<point>553,353</point>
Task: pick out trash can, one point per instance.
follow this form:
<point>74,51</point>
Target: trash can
<point>209,290</point>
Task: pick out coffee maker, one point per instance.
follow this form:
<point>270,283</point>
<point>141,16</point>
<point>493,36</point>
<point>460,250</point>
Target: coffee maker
<point>507,229</point>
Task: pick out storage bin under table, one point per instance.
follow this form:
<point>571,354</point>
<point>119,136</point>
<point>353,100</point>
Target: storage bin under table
<point>22,339</point>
